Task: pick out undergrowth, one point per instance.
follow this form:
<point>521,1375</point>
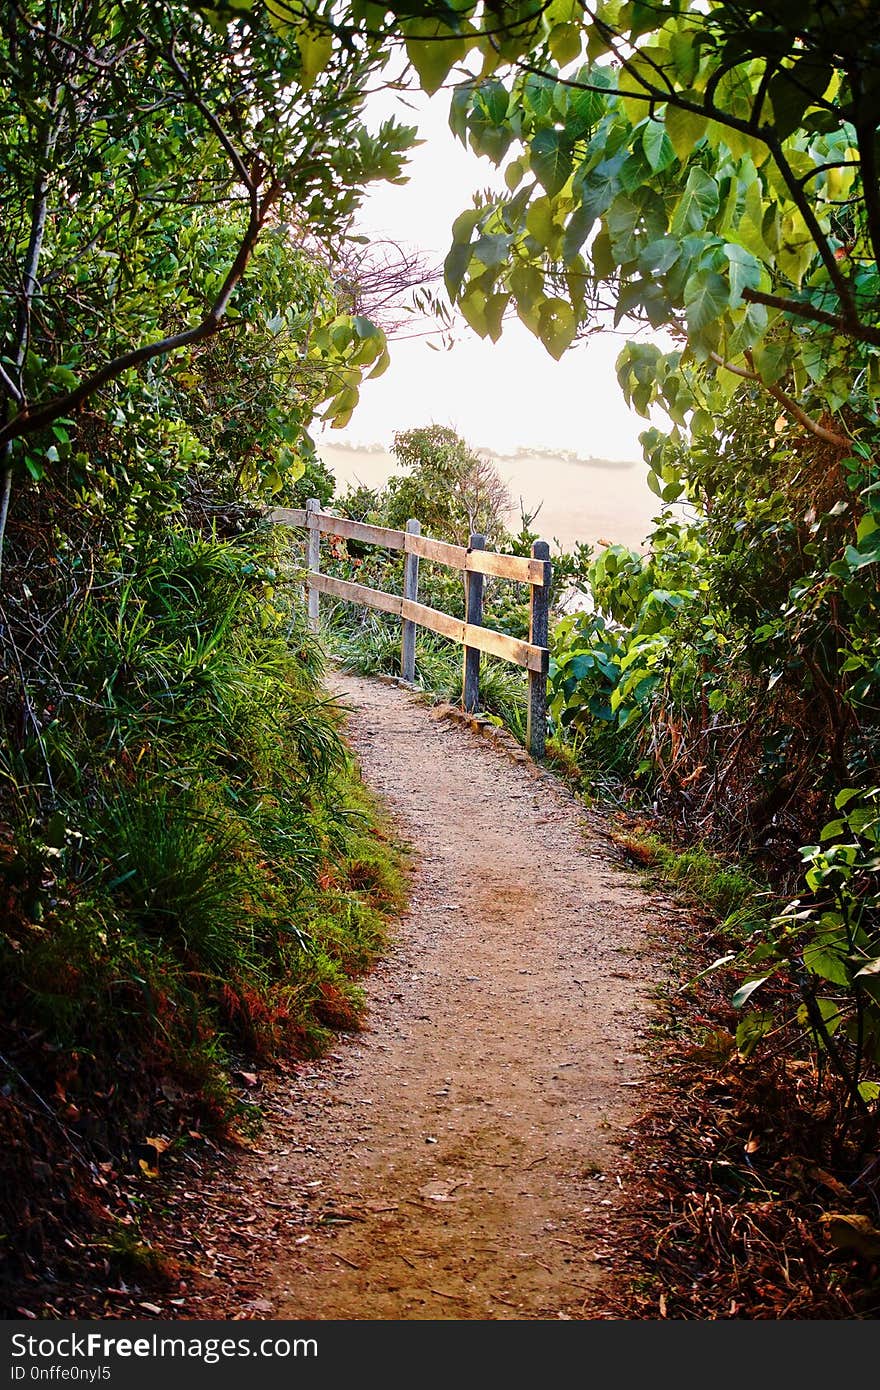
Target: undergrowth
<point>363,642</point>
<point>192,875</point>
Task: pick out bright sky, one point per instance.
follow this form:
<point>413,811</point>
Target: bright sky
<point>506,395</point>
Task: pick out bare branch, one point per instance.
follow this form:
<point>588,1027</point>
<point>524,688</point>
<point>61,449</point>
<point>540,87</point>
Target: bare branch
<point>785,400</point>
<point>9,385</point>
<point>820,241</point>
<point>235,158</point>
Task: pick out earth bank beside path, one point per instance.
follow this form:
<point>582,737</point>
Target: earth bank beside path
<point>461,1157</point>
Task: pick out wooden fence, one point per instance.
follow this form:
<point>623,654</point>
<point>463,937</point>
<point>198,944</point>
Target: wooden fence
<point>475,561</point>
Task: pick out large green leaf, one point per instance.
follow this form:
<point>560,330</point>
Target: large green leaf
<point>432,48</point>
<point>698,203</point>
<point>827,958</point>
<point>551,159</point>
<point>537,93</point>
<point>557,326</point>
<point>315,50</point>
<point>705,299</point>
<point>745,272</point>
<point>657,146</point>
<point>685,129</point>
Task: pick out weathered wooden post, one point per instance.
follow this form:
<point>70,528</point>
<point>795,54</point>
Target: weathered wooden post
<point>313,558</point>
<point>410,591</point>
<point>539,632</point>
<point>473,612</point>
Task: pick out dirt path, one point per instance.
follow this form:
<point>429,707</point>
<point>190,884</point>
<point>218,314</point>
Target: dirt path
<point>458,1159</point>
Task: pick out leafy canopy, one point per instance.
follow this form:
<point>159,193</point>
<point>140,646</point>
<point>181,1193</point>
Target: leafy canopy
<point>695,165</point>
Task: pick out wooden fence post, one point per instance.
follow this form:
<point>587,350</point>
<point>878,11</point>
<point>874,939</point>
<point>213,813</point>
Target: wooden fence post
<point>473,612</point>
<point>313,558</point>
<point>539,631</point>
<point>410,591</point>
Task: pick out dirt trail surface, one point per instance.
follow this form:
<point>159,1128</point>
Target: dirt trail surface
<point>459,1158</point>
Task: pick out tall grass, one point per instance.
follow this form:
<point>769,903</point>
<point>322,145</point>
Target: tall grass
<point>190,871</point>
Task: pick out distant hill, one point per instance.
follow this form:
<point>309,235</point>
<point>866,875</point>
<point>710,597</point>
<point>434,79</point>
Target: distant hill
<point>572,498</point>
<point>524,453</point>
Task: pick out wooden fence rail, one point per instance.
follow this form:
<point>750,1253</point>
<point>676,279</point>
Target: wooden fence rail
<point>475,562</point>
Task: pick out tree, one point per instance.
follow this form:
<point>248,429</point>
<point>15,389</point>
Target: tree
<point>702,167</point>
<point>453,491</point>
<point>146,150</point>
<point>710,170</point>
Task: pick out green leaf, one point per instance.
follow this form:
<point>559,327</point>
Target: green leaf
<point>659,256</point>
<point>657,146</point>
<point>491,249</point>
<point>557,326</point>
<point>744,272</point>
<point>432,48</point>
<point>582,109</point>
<point>537,92</point>
<point>565,43</point>
<point>493,313</point>
<point>684,50</point>
<point>698,203</point>
<point>771,361</point>
<point>752,1029</point>
<point>455,268</point>
<point>705,299</point>
<point>513,174</point>
<point>460,109</point>
<point>551,160</point>
<point>540,223</point>
<point>315,51</point>
<point>846,795</point>
<point>383,362</point>
<point>464,224</point>
<point>828,961</point>
<point>494,98</point>
<point>829,1012</point>
<point>685,129</point>
<point>577,230</point>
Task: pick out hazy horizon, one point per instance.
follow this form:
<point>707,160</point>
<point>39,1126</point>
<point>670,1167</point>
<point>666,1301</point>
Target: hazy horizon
<point>580,498</point>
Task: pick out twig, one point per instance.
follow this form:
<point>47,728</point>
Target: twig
<point>784,399</point>
<point>49,1111</point>
<point>345,1260</point>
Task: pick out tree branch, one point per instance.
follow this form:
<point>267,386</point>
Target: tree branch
<point>235,158</point>
<point>9,385</point>
<point>798,197</point>
<point>785,400</point>
<point>866,136</point>
<point>30,421</point>
<point>801,309</point>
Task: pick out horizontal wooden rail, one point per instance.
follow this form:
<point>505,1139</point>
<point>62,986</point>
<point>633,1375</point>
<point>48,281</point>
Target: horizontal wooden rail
<point>289,516</point>
<point>457,557</point>
<point>485,639</point>
<point>360,531</point>
<point>517,567</point>
<point>356,593</point>
<point>474,561</point>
